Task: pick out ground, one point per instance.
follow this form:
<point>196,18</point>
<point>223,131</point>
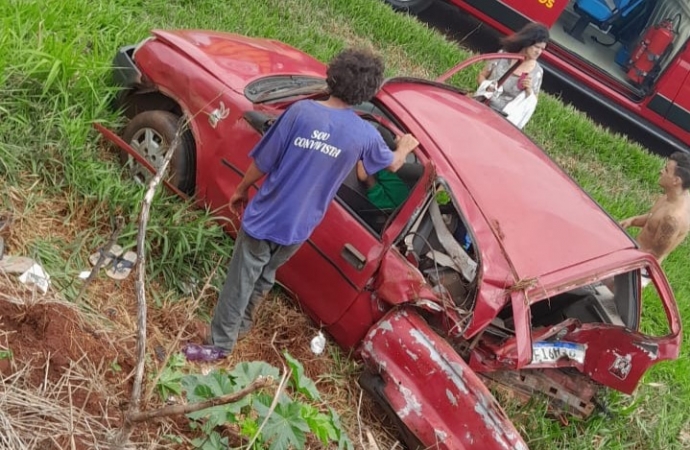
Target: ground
<point>70,375</point>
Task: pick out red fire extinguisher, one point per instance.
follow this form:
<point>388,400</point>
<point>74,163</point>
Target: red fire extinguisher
<point>651,50</point>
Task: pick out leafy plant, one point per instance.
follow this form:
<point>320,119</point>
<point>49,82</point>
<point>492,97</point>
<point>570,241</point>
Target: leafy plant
<point>6,354</point>
<point>170,380</point>
<point>286,426</point>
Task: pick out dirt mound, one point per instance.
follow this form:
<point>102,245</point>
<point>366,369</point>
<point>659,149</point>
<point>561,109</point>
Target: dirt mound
<point>46,339</point>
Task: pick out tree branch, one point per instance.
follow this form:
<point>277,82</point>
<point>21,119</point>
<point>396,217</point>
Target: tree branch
<point>175,410</point>
<point>124,433</point>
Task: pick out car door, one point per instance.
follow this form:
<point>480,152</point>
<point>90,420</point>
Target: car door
<point>333,273</point>
<point>333,266</point>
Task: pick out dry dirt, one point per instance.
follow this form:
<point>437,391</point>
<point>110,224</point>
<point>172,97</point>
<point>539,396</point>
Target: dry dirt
<point>70,376</point>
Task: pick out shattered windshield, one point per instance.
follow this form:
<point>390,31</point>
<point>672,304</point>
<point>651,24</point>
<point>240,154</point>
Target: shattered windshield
<point>282,86</point>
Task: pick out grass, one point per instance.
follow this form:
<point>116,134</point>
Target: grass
<point>64,189</point>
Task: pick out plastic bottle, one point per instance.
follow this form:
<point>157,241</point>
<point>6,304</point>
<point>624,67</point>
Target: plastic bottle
<point>208,353</point>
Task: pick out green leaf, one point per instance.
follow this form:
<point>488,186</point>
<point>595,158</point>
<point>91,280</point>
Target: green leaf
<point>246,372</point>
<point>203,391</point>
<point>213,441</point>
<point>344,441</point>
<point>303,383</point>
<point>285,427</point>
<point>320,424</point>
<point>249,427</point>
<point>215,384</point>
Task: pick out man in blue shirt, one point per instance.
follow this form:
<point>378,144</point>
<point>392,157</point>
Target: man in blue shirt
<point>305,156</point>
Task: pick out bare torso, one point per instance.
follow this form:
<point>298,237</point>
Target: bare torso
<point>667,225</point>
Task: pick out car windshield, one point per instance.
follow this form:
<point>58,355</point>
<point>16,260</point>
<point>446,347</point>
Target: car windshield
<point>282,86</point>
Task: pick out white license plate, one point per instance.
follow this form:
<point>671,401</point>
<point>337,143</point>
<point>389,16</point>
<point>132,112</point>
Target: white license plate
<point>546,352</point>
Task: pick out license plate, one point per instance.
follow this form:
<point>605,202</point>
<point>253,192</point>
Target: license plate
<point>546,352</point>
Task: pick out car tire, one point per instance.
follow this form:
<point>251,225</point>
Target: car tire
<point>149,133</point>
<point>411,6</point>
<point>374,384</point>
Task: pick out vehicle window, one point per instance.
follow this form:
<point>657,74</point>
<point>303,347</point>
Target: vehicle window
<point>611,301</point>
<point>377,198</point>
<point>277,87</point>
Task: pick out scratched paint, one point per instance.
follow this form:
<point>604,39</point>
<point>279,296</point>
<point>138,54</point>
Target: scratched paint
<point>412,404</point>
<point>412,355</point>
<point>485,406</point>
<point>488,414</point>
<point>451,397</point>
<point>453,376</point>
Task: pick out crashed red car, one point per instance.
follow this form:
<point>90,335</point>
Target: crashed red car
<point>497,268</point>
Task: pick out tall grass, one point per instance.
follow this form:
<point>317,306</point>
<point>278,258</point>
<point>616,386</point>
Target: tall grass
<point>54,83</point>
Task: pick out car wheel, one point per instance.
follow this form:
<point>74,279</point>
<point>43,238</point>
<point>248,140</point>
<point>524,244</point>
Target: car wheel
<point>373,384</point>
<point>150,133</point>
<point>412,6</point>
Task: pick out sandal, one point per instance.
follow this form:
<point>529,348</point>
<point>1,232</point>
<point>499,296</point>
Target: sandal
<point>114,253</point>
<point>15,264</point>
<point>122,266</point>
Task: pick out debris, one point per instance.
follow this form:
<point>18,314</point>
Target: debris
<point>318,343</point>
<point>15,264</point>
<point>206,353</point>
<point>122,266</point>
<point>84,274</point>
<point>114,252</point>
<point>37,276</point>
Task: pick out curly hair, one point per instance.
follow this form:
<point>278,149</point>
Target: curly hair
<point>682,171</point>
<point>530,34</point>
<point>354,76</point>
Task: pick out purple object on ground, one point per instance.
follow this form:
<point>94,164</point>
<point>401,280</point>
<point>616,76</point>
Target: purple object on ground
<point>207,353</point>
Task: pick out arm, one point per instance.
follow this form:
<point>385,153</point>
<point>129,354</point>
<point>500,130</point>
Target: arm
<point>363,176</point>
<point>636,221</point>
<point>240,197</point>
<point>663,238</point>
<point>484,74</point>
<point>406,143</point>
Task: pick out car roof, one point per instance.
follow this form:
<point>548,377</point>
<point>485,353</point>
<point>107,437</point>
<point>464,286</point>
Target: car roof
<point>236,60</point>
<point>541,218</point>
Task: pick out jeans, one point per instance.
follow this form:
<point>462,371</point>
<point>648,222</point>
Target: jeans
<point>251,275</point>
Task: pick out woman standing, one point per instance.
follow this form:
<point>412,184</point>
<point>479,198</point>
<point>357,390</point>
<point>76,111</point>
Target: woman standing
<point>523,85</point>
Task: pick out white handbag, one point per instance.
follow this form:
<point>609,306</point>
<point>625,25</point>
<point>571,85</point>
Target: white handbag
<point>520,109</point>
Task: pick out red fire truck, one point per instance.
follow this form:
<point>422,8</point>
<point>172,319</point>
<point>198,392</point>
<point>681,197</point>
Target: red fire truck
<point>630,55</point>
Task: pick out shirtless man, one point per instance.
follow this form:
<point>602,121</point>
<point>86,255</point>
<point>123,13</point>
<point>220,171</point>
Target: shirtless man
<point>668,222</point>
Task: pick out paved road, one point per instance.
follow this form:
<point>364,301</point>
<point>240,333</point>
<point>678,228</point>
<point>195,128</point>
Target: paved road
<point>479,37</point>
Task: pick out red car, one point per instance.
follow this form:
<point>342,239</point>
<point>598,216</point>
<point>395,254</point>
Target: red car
<point>497,268</point>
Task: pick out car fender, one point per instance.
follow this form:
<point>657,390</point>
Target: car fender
<point>431,389</point>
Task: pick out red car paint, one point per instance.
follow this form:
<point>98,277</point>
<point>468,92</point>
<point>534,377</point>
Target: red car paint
<point>661,108</point>
<point>537,239</point>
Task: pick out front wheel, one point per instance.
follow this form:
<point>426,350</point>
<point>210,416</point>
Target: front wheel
<point>151,133</point>
<point>412,6</point>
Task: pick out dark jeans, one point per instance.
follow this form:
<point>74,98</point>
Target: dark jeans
<point>250,276</point>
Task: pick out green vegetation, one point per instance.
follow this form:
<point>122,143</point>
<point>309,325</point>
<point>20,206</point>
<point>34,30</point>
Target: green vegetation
<point>279,426</point>
<point>54,73</point>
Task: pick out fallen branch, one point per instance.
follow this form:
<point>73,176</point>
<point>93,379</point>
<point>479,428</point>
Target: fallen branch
<point>175,410</point>
<point>124,433</point>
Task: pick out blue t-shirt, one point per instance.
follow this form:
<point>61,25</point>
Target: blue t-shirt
<point>306,155</point>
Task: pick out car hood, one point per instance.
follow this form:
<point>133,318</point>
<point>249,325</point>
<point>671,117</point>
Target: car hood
<point>236,60</point>
<point>533,213</point>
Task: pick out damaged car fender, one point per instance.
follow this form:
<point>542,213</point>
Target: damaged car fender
<point>431,390</point>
